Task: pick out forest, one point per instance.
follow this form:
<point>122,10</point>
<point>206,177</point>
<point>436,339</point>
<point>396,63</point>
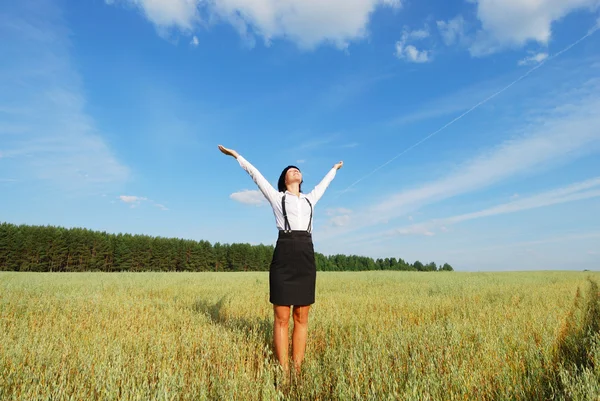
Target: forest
<point>58,249</point>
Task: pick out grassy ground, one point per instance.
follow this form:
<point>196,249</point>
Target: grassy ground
<point>372,335</point>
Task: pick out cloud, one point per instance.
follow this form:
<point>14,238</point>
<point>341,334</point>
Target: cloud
<point>419,34</point>
<point>514,23</point>
<point>408,51</point>
<point>135,201</point>
<point>411,230</point>
<point>339,221</point>
<point>316,143</point>
<point>339,216</point>
<point>398,3</point>
<point>166,13</point>
<point>194,41</point>
<point>560,132</point>
<point>535,59</point>
<point>574,192</point>
<point>308,23</point>
<point>587,189</point>
<point>249,197</point>
<point>412,54</point>
<point>460,101</point>
<point>132,199</point>
<point>300,161</point>
<point>41,94</point>
<point>161,207</point>
<point>339,210</point>
<point>453,31</point>
<point>552,140</point>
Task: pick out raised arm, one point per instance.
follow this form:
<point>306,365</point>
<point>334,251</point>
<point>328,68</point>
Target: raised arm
<point>319,190</point>
<point>267,189</point>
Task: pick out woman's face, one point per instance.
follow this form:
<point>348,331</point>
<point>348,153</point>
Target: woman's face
<point>293,175</point>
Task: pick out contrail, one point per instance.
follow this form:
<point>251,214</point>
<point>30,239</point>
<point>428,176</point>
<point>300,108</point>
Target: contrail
<point>590,33</point>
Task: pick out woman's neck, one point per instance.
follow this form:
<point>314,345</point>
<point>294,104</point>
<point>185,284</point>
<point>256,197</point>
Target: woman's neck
<point>294,188</point>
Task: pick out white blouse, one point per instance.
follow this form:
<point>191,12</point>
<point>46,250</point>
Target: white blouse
<point>297,208</point>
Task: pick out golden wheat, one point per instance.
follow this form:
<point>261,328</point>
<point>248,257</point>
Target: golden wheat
<point>372,336</point>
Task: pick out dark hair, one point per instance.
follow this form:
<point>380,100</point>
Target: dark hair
<point>281,183</point>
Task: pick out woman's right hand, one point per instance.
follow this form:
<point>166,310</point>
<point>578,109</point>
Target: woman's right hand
<point>228,152</point>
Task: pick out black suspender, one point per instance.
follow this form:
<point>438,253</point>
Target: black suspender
<point>309,229</point>
<point>287,226</point>
<point>287,223</point>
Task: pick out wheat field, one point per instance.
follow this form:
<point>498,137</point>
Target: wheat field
<point>372,336</point>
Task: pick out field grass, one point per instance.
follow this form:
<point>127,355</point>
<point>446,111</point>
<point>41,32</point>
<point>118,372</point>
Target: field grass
<point>372,336</point>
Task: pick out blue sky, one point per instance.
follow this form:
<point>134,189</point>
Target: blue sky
<point>469,130</point>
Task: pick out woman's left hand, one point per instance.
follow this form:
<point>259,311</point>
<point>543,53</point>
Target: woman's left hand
<point>339,165</point>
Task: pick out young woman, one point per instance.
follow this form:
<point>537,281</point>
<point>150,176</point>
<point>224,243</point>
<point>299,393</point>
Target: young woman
<point>293,272</point>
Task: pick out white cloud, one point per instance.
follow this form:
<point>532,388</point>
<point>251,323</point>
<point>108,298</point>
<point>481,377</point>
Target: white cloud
<point>574,192</point>
<point>578,191</point>
<point>161,207</point>
<point>551,141</point>
<point>419,34</point>
<point>566,130</point>
<point>535,59</point>
<point>135,201</point>
<point>339,221</point>
<point>395,3</point>
<point>300,161</point>
<point>514,23</point>
<point>453,31</point>
<point>132,198</point>
<point>336,211</point>
<point>166,13</point>
<point>411,230</point>
<point>308,23</point>
<point>249,197</point>
<point>410,52</point>
<point>413,54</point>
<point>316,143</point>
<point>340,216</point>
<point>194,41</point>
<point>41,93</point>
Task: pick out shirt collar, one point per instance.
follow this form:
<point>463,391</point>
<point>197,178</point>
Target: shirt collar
<point>289,193</point>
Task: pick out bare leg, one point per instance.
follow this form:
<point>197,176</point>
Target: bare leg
<point>280,334</point>
<point>299,335</point>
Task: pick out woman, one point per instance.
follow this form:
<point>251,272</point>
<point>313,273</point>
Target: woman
<point>292,273</point>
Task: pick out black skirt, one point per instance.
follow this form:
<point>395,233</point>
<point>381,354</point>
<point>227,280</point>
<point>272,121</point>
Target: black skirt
<point>293,271</point>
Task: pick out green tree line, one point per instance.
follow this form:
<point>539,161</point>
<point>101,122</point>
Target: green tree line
<point>58,249</point>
